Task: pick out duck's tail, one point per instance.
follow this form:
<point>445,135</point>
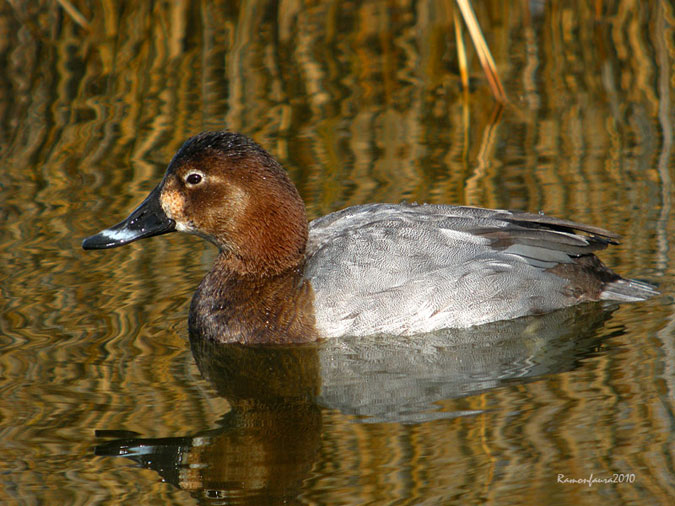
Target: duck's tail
<point>628,290</point>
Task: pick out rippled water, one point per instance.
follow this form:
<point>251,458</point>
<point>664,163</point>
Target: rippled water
<point>105,399</point>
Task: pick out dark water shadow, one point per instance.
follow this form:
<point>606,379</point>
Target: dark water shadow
<point>266,446</point>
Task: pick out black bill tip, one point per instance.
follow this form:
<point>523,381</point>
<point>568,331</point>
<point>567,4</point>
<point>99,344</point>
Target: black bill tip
<point>147,220</point>
<point>120,235</point>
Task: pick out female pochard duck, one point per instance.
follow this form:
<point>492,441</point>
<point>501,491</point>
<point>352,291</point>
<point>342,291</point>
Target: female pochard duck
<point>370,269</point>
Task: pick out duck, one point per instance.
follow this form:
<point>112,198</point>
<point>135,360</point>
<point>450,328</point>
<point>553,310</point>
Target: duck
<point>373,269</point>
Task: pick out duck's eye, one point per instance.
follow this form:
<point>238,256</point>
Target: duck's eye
<point>193,178</point>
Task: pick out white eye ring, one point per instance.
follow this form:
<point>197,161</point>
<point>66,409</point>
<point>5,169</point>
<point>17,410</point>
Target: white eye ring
<point>194,178</point>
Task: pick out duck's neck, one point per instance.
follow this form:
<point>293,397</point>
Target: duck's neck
<point>270,236</point>
<point>234,307</point>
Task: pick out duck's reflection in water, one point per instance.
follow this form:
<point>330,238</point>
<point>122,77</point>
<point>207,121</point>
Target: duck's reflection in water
<point>267,445</point>
<point>264,446</point>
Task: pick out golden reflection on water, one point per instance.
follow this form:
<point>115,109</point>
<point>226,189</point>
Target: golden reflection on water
<point>361,102</point>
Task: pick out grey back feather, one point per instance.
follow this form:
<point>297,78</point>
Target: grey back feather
<point>405,269</point>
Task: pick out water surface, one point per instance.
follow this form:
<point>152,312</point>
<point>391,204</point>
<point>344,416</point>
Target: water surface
<point>104,398</point>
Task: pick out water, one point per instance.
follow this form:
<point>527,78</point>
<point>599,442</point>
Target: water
<point>104,399</point>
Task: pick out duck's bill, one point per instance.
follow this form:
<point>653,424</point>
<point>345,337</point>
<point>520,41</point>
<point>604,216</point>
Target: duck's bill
<point>146,220</point>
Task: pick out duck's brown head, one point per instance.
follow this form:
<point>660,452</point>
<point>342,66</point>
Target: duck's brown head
<point>224,187</point>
